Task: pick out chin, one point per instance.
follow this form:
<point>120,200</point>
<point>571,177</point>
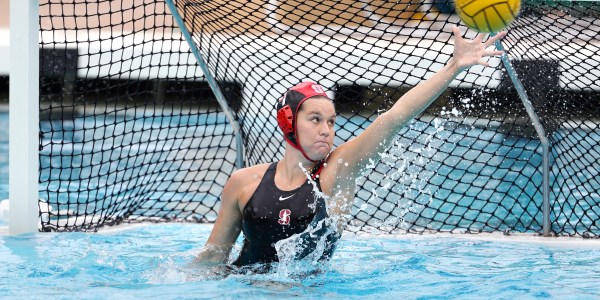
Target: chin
<point>319,157</point>
<point>321,154</point>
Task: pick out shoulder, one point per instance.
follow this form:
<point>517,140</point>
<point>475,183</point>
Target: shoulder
<point>243,182</point>
<point>249,174</point>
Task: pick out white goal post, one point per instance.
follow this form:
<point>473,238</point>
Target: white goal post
<point>24,116</point>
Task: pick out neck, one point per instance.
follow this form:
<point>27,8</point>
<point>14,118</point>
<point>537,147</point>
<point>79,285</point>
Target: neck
<point>290,169</point>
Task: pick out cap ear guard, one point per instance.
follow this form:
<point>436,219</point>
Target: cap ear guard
<point>285,118</point>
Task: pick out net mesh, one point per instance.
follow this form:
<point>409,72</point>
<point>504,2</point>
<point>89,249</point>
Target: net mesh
<point>566,94</point>
<point>132,131</point>
<point>128,130</point>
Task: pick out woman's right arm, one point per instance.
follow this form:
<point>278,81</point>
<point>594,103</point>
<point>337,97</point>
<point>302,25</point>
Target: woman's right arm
<point>227,226</point>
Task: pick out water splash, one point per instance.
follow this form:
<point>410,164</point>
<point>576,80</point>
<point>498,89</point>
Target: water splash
<point>401,182</point>
<point>169,272</point>
<point>308,252</point>
<point>181,268</point>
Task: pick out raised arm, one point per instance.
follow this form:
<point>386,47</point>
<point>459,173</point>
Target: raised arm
<point>377,137</point>
<point>227,226</point>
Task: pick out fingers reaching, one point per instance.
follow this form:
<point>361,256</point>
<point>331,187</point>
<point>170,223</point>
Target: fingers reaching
<point>456,31</point>
<point>494,38</point>
<point>468,53</point>
<point>493,53</point>
<point>479,37</point>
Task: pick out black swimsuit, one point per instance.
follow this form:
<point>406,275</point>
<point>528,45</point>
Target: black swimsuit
<point>272,215</point>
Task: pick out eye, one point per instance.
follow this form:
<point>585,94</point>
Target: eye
<point>331,122</point>
<point>315,119</point>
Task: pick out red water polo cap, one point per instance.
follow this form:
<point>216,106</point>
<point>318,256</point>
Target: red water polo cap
<point>288,106</point>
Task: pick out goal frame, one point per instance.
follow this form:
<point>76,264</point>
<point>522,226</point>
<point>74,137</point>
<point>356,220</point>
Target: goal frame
<point>24,117</point>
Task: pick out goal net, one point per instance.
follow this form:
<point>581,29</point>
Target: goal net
<point>129,129</point>
<point>132,131</point>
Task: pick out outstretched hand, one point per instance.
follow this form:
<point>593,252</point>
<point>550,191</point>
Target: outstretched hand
<point>468,53</point>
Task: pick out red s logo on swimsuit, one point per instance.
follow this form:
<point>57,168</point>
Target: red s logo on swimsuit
<point>284,217</point>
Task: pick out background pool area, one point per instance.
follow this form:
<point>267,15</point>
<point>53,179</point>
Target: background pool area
<point>439,174</point>
<point>155,261</point>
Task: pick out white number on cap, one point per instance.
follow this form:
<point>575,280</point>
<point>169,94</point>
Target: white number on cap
<point>317,88</point>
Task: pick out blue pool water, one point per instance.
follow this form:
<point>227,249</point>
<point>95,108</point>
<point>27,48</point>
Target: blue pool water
<point>152,261</point>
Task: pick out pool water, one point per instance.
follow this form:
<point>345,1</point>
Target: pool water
<point>155,261</point>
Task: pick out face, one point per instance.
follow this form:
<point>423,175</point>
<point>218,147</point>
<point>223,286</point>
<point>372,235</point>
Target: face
<point>315,127</point>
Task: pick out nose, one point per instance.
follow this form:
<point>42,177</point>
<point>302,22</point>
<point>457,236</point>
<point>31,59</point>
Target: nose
<point>325,130</point>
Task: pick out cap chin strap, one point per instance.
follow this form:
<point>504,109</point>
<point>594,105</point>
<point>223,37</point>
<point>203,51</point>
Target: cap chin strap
<point>299,148</point>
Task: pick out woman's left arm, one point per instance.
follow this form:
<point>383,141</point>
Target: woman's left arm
<point>377,137</point>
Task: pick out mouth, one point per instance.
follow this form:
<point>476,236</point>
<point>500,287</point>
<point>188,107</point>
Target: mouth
<point>322,147</point>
